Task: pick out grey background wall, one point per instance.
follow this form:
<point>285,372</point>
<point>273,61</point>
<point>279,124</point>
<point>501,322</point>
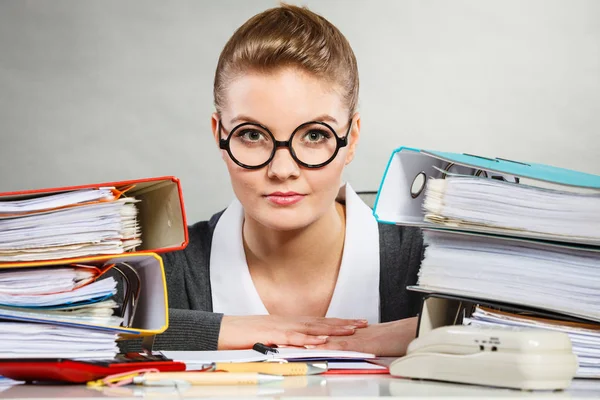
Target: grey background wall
<point>102,90</point>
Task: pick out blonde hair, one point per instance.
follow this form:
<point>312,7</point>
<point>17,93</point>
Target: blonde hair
<point>289,36</point>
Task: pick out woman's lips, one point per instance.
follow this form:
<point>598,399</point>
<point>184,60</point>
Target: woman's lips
<point>284,198</point>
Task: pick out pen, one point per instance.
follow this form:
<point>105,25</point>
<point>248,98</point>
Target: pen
<point>272,368</point>
<point>264,349</point>
<point>203,378</point>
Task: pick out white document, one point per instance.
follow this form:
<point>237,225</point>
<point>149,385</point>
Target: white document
<point>45,202</point>
<point>34,281</point>
<point>100,288</point>
<point>26,340</point>
<point>460,201</point>
<point>99,228</point>
<point>58,294</point>
<point>196,359</point>
<point>531,274</point>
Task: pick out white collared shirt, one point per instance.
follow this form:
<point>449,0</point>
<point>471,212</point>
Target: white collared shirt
<point>356,293</point>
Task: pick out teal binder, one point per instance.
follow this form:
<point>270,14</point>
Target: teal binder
<point>398,202</point>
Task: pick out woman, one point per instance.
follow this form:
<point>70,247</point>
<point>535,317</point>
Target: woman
<point>295,260</point>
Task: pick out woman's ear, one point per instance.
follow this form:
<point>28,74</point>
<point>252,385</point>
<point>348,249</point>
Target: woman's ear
<point>354,135</point>
<point>214,122</point>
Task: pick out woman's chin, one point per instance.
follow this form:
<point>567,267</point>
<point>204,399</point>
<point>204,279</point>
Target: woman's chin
<point>284,219</point>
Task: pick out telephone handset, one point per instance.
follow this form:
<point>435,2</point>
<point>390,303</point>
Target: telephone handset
<point>528,359</point>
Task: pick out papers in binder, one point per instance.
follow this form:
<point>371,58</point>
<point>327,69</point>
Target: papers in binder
<point>515,271</point>
<point>68,293</point>
<point>467,202</point>
<point>25,340</point>
<point>31,281</point>
<point>100,228</point>
<point>14,208</point>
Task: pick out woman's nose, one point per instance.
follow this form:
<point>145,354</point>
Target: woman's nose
<point>283,166</point>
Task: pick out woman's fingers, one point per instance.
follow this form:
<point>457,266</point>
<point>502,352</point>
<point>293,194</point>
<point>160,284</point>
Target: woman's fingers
<point>336,345</point>
<point>294,338</point>
<point>359,323</point>
<point>320,329</point>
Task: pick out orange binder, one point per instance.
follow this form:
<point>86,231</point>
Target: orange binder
<point>161,210</point>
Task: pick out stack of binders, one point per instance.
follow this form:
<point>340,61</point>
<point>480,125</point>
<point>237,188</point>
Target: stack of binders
<point>79,267</point>
<point>506,243</point>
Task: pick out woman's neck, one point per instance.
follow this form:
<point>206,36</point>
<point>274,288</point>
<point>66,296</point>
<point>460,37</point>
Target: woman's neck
<point>299,253</point>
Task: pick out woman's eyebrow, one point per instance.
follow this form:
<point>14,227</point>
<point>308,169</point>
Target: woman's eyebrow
<point>245,118</point>
<point>325,118</point>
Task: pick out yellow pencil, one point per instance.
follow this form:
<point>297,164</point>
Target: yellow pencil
<point>203,378</point>
<point>274,368</point>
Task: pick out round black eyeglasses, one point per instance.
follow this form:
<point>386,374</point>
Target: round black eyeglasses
<point>313,144</point>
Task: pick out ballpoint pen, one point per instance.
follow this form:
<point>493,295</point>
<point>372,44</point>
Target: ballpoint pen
<point>203,378</point>
<point>271,368</point>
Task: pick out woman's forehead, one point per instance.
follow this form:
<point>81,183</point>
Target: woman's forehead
<point>283,100</point>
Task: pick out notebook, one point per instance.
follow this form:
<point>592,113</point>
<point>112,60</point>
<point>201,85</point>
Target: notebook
<point>196,359</point>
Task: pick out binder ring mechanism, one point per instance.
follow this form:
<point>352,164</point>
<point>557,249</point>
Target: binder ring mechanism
<point>480,172</point>
<point>420,180</point>
<point>418,185</point>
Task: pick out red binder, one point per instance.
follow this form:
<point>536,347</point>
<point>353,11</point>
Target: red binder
<point>63,370</point>
<point>161,210</point>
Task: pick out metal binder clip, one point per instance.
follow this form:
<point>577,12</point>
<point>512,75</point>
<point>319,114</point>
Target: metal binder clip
<point>132,289</point>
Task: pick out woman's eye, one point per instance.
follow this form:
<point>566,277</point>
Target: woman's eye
<point>252,136</point>
<point>316,136</point>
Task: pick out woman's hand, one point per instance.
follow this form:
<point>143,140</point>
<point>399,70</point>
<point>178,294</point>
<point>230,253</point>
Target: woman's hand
<point>242,332</point>
<point>388,339</point>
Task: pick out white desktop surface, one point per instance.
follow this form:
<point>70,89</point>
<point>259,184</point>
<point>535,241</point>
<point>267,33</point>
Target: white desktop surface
<point>363,386</point>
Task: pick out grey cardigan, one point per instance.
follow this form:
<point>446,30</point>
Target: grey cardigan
<point>193,325</point>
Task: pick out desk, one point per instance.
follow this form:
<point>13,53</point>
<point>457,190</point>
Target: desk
<point>364,386</point>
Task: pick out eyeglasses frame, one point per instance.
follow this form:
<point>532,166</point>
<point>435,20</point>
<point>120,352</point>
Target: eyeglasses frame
<point>224,144</point>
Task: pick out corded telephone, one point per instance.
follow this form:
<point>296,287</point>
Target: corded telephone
<point>528,359</point>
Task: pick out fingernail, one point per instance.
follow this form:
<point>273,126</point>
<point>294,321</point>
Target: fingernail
<point>322,337</point>
<point>362,321</point>
<point>309,346</point>
<point>349,327</point>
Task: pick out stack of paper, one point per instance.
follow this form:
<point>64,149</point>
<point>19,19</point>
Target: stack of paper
<point>72,224</point>
<point>25,340</point>
<point>62,294</point>
<point>72,294</point>
<point>585,338</point>
<point>514,209</point>
<point>532,274</point>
